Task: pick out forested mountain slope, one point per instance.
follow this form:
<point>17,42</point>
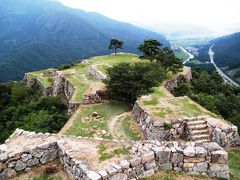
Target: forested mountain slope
<point>43,33</point>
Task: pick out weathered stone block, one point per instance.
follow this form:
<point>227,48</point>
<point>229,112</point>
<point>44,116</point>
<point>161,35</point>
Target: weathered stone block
<point>147,156</point>
<point>166,166</point>
<point>103,174</point>
<point>219,157</point>
<point>200,151</point>
<point>212,146</point>
<point>32,162</point>
<point>189,151</point>
<point>215,168</point>
<point>150,165</point>
<point>49,156</point>
<point>177,158</point>
<point>20,166</point>
<point>163,155</point>
<point>119,176</point>
<point>201,167</point>
<point>92,175</point>
<point>3,157</point>
<point>26,157</point>
<point>124,164</point>
<point>135,161</point>
<point>111,170</point>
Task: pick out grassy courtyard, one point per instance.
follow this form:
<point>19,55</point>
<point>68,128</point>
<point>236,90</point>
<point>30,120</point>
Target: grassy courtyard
<point>87,125</point>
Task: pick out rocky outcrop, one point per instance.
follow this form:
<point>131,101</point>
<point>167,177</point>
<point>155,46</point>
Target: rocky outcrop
<point>144,157</point>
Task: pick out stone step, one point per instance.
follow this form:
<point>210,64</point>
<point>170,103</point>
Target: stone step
<point>198,127</point>
<point>199,137</point>
<point>196,119</point>
<point>196,122</point>
<point>201,141</point>
<point>199,132</point>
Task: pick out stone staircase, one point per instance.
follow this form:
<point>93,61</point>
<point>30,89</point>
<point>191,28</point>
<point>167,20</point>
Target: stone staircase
<point>198,130</point>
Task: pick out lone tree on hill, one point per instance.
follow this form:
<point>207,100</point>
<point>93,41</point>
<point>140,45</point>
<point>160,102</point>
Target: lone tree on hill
<point>115,44</point>
<point>128,81</point>
<point>150,48</point>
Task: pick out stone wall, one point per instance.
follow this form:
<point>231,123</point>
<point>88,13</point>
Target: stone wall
<point>95,73</point>
<point>157,130</point>
<point>95,97</point>
<point>61,87</point>
<point>226,136</point>
<point>145,158</point>
<point>185,76</point>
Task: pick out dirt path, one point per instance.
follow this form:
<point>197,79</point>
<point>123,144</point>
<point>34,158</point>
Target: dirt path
<point>115,126</point>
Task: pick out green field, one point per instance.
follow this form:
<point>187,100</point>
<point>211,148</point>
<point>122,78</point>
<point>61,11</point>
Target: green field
<point>84,123</point>
<point>181,55</point>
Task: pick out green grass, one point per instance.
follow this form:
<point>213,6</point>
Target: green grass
<point>114,59</point>
<point>181,55</point>
<point>47,177</point>
<point>162,112</point>
<point>46,81</point>
<point>130,128</point>
<point>234,163</point>
<point>187,108</point>
<point>153,102</point>
<point>103,68</point>
<point>107,111</point>
<point>80,83</point>
<point>106,152</point>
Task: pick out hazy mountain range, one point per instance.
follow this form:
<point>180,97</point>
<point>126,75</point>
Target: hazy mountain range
<point>38,34</point>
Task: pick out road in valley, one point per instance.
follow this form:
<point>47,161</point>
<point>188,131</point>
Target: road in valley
<point>190,56</point>
<point>221,73</point>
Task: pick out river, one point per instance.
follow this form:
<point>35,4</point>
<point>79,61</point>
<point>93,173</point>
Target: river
<point>190,56</point>
<point>220,72</point>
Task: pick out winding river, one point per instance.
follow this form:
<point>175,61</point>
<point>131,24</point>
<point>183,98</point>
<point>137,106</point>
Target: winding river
<point>221,73</point>
<point>190,56</point>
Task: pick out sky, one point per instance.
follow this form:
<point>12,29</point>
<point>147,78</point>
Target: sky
<point>221,16</point>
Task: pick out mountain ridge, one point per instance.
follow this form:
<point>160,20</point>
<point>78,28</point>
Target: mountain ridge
<point>59,35</point>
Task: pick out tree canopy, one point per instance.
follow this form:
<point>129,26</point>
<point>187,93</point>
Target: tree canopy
<point>20,107</point>
<point>153,50</point>
<point>115,44</point>
<point>128,81</point>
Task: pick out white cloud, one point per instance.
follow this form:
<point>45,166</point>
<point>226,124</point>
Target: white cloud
<point>218,15</point>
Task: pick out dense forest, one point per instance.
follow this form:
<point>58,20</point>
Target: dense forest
<point>20,107</point>
<point>216,96</point>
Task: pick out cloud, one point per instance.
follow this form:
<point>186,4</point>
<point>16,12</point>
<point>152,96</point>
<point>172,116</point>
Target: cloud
<point>218,15</point>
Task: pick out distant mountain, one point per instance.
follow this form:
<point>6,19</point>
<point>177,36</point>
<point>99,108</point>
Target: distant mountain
<point>37,34</point>
<point>227,54</point>
<point>181,30</point>
<point>227,50</point>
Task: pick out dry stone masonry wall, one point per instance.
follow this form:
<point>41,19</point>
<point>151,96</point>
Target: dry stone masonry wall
<point>95,73</point>
<point>61,87</point>
<point>202,130</point>
<point>145,157</point>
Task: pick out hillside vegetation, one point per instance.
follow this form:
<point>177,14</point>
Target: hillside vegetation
<point>40,34</point>
<point>20,107</point>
